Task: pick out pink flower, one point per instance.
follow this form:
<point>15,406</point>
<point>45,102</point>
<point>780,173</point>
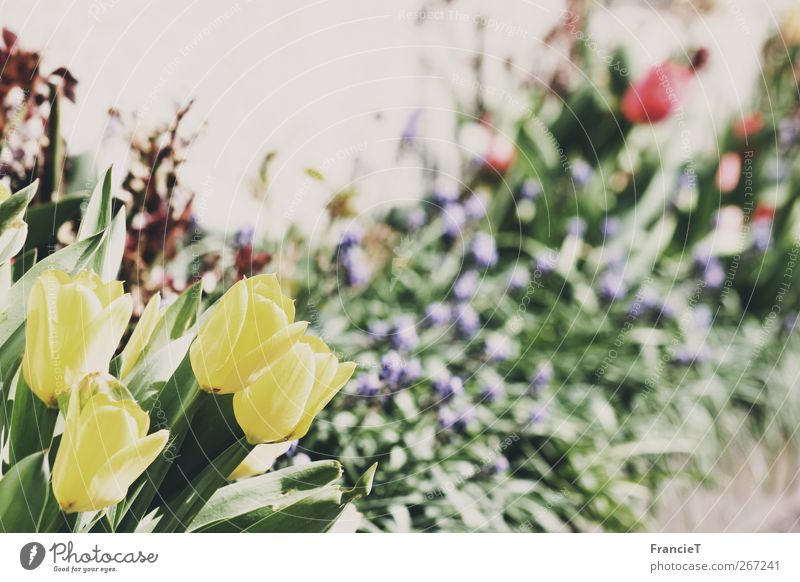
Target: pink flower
<point>729,171</point>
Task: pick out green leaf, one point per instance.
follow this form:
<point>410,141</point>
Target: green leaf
<point>23,262</point>
<point>15,204</point>
<point>296,499</point>
<point>108,259</point>
<point>32,423</point>
<point>44,220</point>
<point>97,215</point>
<point>24,493</point>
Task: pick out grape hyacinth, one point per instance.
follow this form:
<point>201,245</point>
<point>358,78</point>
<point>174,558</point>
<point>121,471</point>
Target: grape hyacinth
<point>518,278</point>
<point>448,387</point>
<point>466,285</point>
<point>498,347</point>
<point>581,172</point>
<point>467,320</point>
<point>474,208</point>
<point>378,330</point>
<point>445,194</point>
<point>484,250</point>
<point>543,376</point>
<point>493,391</point>
<point>391,367</point>
<point>576,226</point>
<point>438,314</point>
<point>531,189</point>
<point>356,266</point>
<point>453,220</point>
<point>404,333</point>
<point>368,385</point>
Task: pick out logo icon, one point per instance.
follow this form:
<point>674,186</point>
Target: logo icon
<point>31,555</point>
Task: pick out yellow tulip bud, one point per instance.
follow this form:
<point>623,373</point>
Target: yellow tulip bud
<point>282,400</point>
<point>74,325</point>
<point>250,327</point>
<point>104,447</point>
<point>790,26</point>
<point>260,459</point>
<point>141,335</point>
<point>13,237</point>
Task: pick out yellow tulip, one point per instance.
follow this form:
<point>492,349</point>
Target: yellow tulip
<point>250,327</point>
<point>141,335</point>
<point>13,237</point>
<point>104,447</point>
<point>282,400</point>
<point>260,459</point>
<point>74,325</point>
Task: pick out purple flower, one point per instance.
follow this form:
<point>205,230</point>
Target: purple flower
<point>416,218</point>
<point>582,172</point>
<point>518,277</point>
<point>467,320</point>
<point>412,372</point>
<point>292,448</point>
<point>352,236</point>
<point>493,391</point>
<point>404,335</point>
<point>546,261</point>
<point>790,322</point>
<point>378,329</point>
<point>464,419</point>
<point>537,415</point>
<point>612,287</point>
<point>243,236</point>
<point>466,286</point>
<point>474,208</point>
<point>357,269</point>
<point>453,220</point>
<point>498,347</point>
<point>686,355</point>
<point>543,376</point>
<point>714,274</point>
<point>500,465</point>
<point>610,226</point>
<point>447,418</point>
<point>576,226</point>
<point>531,189</point>
<point>762,235</point>
<point>484,250</point>
<point>391,367</point>
<point>445,194</point>
<point>448,387</point>
<point>438,314</point>
<point>368,385</point>
<point>788,131</point>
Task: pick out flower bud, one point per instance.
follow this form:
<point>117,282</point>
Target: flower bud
<point>104,447</point>
<point>282,400</point>
<point>73,327</point>
<point>141,335</point>
<point>249,329</point>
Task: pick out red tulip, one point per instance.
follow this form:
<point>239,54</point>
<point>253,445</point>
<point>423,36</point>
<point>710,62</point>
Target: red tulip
<point>729,171</point>
<point>661,92</point>
<point>748,125</point>
<point>501,155</point>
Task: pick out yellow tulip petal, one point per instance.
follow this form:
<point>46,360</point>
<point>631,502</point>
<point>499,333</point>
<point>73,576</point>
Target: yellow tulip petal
<point>212,352</point>
<point>111,482</point>
<point>324,391</point>
<point>269,409</point>
<point>268,286</point>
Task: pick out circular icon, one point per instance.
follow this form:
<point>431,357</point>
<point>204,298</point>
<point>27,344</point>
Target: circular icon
<point>31,555</point>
